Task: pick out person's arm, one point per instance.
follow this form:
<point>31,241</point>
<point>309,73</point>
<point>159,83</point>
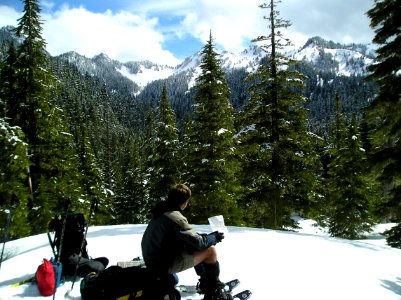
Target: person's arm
<point>186,233</point>
<point>203,240</point>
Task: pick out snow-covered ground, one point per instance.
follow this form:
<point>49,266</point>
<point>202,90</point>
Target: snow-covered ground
<point>274,265</point>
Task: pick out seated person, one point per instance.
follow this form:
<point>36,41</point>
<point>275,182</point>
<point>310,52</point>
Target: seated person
<point>170,245</point>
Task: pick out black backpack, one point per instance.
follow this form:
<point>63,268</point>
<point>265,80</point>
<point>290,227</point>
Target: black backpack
<point>74,235</point>
<point>128,283</point>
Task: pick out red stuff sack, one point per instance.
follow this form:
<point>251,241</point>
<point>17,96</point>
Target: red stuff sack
<point>45,278</point>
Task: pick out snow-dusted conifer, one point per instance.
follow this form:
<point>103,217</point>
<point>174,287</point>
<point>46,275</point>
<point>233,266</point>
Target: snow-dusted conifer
<point>213,166</point>
<point>82,119</point>
<point>383,115</point>
<point>130,203</point>
<point>350,191</point>
<point>165,161</point>
<point>279,162</point>
<point>52,175</point>
<point>14,165</point>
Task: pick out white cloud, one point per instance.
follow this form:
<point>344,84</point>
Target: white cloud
<point>138,30</point>
<point>122,36</point>
<point>47,4</point>
<point>9,16</point>
<point>171,7</point>
<point>341,21</point>
<point>235,22</point>
<point>232,22</point>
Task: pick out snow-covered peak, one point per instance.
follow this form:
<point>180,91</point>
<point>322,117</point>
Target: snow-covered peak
<point>189,63</point>
<point>248,59</point>
<point>341,59</point>
<point>139,73</point>
<point>145,72</point>
<point>84,64</point>
<point>102,57</point>
<point>346,60</point>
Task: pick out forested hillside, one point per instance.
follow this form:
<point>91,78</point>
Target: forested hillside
<point>257,135</point>
<point>325,76</point>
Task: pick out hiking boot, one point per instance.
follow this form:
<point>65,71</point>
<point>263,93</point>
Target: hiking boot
<point>218,294</point>
<point>209,277</point>
<point>205,286</point>
<point>213,291</point>
<point>209,283</point>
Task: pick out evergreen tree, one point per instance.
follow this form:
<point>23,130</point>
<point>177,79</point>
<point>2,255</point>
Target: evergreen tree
<point>188,147</point>
<point>74,100</point>
<point>339,132</point>
<point>165,168</point>
<point>129,204</point>
<point>8,82</point>
<point>92,183</point>
<point>52,174</point>
<point>349,190</point>
<point>336,135</point>
<point>279,162</point>
<point>334,142</point>
<point>147,155</point>
<point>14,163</point>
<point>82,105</point>
<point>103,141</point>
<point>383,115</point>
<point>213,165</point>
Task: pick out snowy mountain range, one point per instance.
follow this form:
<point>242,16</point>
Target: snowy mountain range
<point>329,68</point>
<point>345,60</point>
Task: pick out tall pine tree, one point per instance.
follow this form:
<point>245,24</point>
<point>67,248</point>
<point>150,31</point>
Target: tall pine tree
<point>147,153</point>
<point>350,191</point>
<point>383,115</point>
<point>8,82</point>
<point>166,170</point>
<point>279,162</point>
<point>75,100</point>
<point>52,174</point>
<point>14,163</point>
<point>129,206</point>
<point>212,165</point>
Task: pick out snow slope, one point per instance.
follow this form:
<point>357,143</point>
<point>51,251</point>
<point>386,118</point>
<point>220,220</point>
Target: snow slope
<point>273,264</point>
<point>145,75</point>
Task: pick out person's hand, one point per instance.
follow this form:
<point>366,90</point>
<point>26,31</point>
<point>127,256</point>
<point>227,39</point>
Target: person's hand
<point>219,236</point>
<point>215,237</point>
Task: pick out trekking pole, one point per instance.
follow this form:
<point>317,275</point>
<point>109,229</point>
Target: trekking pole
<point>5,234</point>
<point>67,206</point>
<point>91,212</point>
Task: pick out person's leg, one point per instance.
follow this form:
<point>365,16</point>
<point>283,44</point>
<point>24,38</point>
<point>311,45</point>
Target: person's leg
<point>186,261</point>
<point>208,268</point>
<point>208,256</point>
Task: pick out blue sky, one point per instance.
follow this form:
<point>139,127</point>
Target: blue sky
<point>170,30</point>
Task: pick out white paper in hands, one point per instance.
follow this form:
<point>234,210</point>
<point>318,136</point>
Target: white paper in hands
<point>217,224</point>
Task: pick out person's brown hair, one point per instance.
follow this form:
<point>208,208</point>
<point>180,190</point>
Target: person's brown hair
<point>179,193</point>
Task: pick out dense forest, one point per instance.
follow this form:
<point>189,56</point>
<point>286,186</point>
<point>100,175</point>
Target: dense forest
<point>257,147</point>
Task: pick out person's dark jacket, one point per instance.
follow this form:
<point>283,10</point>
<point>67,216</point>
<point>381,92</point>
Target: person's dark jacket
<point>167,236</point>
